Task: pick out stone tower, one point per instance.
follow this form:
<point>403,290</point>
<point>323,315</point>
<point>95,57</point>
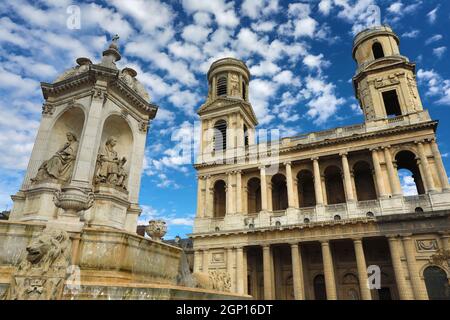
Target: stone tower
<point>227,118</point>
<point>87,158</point>
<point>385,81</point>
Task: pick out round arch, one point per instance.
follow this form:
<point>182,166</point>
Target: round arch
<point>279,192</point>
<point>436,282</point>
<point>334,185</point>
<point>305,189</point>
<point>219,200</point>
<point>364,184</point>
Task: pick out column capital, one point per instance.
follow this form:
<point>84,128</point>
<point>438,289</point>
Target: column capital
<point>265,246</point>
<point>294,244</point>
<point>374,149</point>
<point>386,147</point>
<point>324,242</point>
<point>287,163</point>
<point>315,159</point>
<point>419,142</point>
<point>343,154</point>
<point>357,239</point>
<point>239,171</point>
<point>262,167</point>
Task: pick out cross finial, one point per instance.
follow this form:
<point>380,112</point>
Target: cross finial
<point>115,38</point>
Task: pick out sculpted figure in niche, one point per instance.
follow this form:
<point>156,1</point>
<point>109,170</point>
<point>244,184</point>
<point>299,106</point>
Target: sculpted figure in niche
<point>60,166</point>
<point>110,168</point>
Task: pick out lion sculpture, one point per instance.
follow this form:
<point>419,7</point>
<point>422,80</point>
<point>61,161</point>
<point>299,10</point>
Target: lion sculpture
<point>41,271</point>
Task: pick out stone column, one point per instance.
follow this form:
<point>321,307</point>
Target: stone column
<point>328,269</point>
<point>420,292</point>
<point>378,173</point>
<point>230,271</point>
<point>403,289</point>
<point>443,178</point>
<point>269,197</point>
<point>200,196</point>
<point>245,273</point>
<point>239,191</point>
<point>240,270</point>
<point>297,272</point>
<point>392,172</point>
<point>229,194</point>
<point>290,185</point>
<point>263,188</point>
<point>445,241</point>
<point>362,270</point>
<point>208,205</point>
<point>347,178</point>
<point>267,267</point>
<point>428,177</point>
<point>296,201</point>
<point>205,264</point>
<point>317,182</point>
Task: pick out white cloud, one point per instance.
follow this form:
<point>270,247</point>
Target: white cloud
<point>325,7</point>
<point>439,52</point>
<point>437,86</point>
<point>315,62</point>
<point>223,12</point>
<point>257,8</point>
<point>195,33</point>
<point>432,15</point>
<point>411,34</point>
<point>435,38</point>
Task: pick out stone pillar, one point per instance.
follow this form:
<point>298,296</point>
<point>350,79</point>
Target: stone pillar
<point>428,177</point>
<point>378,174</point>
<point>317,182</point>
<point>296,200</point>
<point>269,197</point>
<point>267,267</point>
<point>328,269</point>
<point>347,178</point>
<point>443,178</point>
<point>240,270</point>
<point>229,194</point>
<point>245,273</point>
<point>297,272</point>
<point>290,185</point>
<point>362,270</point>
<point>445,241</point>
<point>205,264</point>
<point>197,261</point>
<point>208,205</point>
<point>420,292</point>
<point>239,191</point>
<point>393,175</point>
<point>200,196</point>
<point>403,289</point>
<point>263,188</point>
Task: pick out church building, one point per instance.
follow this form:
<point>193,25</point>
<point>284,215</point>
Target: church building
<point>331,217</point>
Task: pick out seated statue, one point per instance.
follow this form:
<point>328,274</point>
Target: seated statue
<point>60,166</point>
<point>110,169</point>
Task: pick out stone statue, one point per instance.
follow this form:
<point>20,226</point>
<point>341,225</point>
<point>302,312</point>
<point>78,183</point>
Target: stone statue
<point>60,166</point>
<point>41,272</point>
<point>110,169</point>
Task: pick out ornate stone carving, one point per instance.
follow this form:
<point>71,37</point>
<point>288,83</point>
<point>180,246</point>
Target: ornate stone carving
<point>73,200</point>
<point>83,66</point>
<point>60,166</point>
<point>110,169</point>
<point>143,126</point>
<point>388,81</point>
<point>48,109</point>
<point>156,229</point>
<point>128,76</point>
<point>99,94</point>
<point>441,257</point>
<point>213,280</point>
<point>427,245</point>
<point>41,272</point>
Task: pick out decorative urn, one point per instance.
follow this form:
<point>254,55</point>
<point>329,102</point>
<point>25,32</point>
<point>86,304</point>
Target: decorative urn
<point>73,200</point>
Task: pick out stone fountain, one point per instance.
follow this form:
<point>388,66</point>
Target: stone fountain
<point>71,233</point>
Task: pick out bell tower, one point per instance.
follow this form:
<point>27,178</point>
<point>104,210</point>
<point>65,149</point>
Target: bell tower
<point>385,81</point>
<point>227,118</point>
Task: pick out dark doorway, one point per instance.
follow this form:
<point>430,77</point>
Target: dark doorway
<point>437,283</point>
<point>320,292</point>
<point>384,294</point>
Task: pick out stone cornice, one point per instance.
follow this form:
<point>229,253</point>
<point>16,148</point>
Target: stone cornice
<point>89,77</point>
<point>227,103</point>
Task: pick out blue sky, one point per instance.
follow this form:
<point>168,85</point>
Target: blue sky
<point>299,54</point>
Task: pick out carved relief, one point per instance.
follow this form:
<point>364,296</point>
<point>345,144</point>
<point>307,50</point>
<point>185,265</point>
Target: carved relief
<point>143,126</point>
<point>392,79</point>
<point>427,245</point>
<point>218,257</point>
<point>99,94</point>
<point>60,166</point>
<point>367,101</point>
<point>412,86</point>
<point>110,169</point>
<point>48,109</point>
<point>213,280</point>
<point>41,272</point>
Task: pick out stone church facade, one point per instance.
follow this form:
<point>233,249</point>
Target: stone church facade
<point>333,205</point>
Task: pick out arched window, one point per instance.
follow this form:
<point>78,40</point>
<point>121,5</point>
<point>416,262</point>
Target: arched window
<point>220,135</point>
<point>306,192</point>
<point>334,185</point>
<point>320,292</point>
<point>437,283</point>
<point>244,90</point>
<point>254,195</point>
<point>409,173</point>
<point>279,193</point>
<point>219,199</point>
<point>377,50</point>
<point>222,86</point>
<point>365,187</point>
